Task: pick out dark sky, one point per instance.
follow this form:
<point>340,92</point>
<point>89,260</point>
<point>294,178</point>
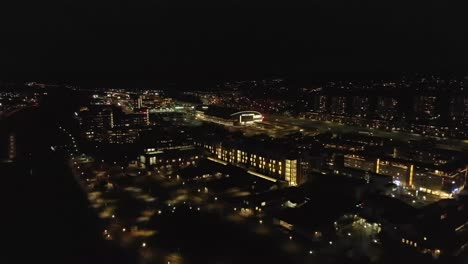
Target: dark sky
<point>104,39</point>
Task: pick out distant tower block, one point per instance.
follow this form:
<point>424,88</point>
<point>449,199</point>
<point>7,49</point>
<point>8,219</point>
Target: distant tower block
<point>12,146</point>
<point>140,102</point>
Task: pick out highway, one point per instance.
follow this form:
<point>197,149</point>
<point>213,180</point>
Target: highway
<point>280,126</point>
<point>323,126</point>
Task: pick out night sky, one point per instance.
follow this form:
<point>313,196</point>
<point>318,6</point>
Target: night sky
<point>83,40</point>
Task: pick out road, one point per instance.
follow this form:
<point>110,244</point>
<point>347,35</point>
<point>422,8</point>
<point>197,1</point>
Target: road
<point>280,125</point>
<point>323,126</point>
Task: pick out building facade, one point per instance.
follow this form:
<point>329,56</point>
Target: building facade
<point>444,180</point>
<point>280,167</point>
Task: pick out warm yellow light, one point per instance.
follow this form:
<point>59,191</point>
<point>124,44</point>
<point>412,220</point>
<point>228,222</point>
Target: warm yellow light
<point>411,175</point>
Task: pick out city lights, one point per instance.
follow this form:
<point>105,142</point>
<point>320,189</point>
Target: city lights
<point>295,166</point>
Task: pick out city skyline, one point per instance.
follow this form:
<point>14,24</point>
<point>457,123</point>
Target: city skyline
<point>186,132</point>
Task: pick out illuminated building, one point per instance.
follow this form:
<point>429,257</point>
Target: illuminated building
<point>458,108</point>
<point>425,107</point>
<point>95,121</point>
<point>122,136</point>
<point>273,164</point>
<point>139,118</point>
<point>8,149</point>
<point>110,125</point>
<point>97,117</point>
<point>338,105</point>
<point>12,146</point>
<point>247,117</point>
<point>170,158</point>
<point>290,172</point>
<point>228,116</point>
<point>137,101</point>
<point>387,108</point>
<point>443,180</point>
<point>359,162</point>
<point>140,102</point>
<point>321,104</point>
<point>100,99</point>
<point>360,106</point>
